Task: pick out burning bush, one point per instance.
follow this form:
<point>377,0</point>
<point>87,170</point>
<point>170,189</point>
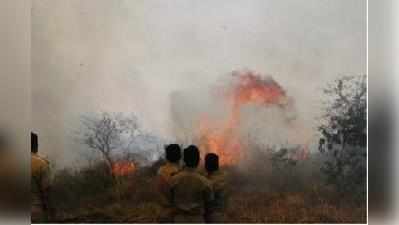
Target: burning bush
<point>123,168</point>
<point>222,120</point>
<point>247,88</point>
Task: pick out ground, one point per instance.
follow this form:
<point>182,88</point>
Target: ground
<point>135,200</point>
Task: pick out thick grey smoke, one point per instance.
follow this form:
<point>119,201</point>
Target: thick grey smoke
<point>131,56</point>
<point>257,125</point>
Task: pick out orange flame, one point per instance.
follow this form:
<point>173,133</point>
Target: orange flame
<point>249,88</point>
<point>123,168</point>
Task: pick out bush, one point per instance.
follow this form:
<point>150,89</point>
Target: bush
<point>345,136</point>
<point>71,188</point>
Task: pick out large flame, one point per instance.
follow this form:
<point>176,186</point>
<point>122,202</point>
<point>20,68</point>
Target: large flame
<point>248,88</point>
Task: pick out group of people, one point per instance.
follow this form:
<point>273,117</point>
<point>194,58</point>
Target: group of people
<point>191,194</point>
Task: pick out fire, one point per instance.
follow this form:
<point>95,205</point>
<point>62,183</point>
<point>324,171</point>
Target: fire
<point>123,168</point>
<point>222,142</point>
<point>248,88</point>
<point>251,88</point>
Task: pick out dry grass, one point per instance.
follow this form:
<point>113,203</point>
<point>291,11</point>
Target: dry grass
<point>258,207</point>
<point>135,200</point>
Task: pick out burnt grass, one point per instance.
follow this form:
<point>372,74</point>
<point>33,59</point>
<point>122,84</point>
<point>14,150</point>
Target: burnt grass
<point>90,196</point>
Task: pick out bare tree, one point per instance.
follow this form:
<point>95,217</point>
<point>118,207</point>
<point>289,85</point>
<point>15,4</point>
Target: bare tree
<point>107,133</point>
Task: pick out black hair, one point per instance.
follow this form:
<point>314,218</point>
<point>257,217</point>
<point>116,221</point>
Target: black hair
<point>34,143</point>
<point>173,153</point>
<point>211,162</point>
<point>191,156</point>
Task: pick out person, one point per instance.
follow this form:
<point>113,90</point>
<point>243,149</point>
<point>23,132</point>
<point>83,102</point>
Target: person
<point>190,191</point>
<point>165,173</point>
<point>171,167</point>
<point>11,177</point>
<point>215,208</point>
<point>40,184</point>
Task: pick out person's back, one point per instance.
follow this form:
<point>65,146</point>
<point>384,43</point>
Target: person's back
<point>172,166</point>
<point>215,209</point>
<point>165,174</point>
<point>40,184</point>
<point>167,171</point>
<point>190,191</point>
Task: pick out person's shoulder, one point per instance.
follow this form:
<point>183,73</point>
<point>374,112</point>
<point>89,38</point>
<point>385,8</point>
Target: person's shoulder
<point>40,159</point>
<point>217,177</point>
<point>174,168</point>
<point>39,165</point>
<point>161,169</point>
<point>204,180</point>
<point>169,169</point>
<point>221,174</point>
<point>178,176</point>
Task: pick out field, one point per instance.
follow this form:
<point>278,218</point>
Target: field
<point>88,196</point>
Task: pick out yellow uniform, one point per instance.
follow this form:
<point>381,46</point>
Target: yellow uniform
<point>190,192</point>
<point>215,208</point>
<point>40,183</point>
<point>165,173</point>
<point>168,170</point>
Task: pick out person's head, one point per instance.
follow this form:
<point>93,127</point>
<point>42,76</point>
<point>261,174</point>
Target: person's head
<point>211,162</point>
<point>191,156</point>
<point>34,142</point>
<point>173,153</point>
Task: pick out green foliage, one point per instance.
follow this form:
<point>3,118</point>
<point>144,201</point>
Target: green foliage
<point>344,134</point>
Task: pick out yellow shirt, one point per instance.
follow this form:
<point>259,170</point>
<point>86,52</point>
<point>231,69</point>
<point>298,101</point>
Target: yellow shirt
<point>168,170</point>
<point>190,192</point>
<point>219,185</point>
<point>165,174</point>
<point>40,180</point>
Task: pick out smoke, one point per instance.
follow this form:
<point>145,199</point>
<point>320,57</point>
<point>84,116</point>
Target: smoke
<point>139,56</point>
<point>245,110</point>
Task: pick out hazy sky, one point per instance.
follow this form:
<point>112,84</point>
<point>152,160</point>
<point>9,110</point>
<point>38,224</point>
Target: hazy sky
<point>125,55</point>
